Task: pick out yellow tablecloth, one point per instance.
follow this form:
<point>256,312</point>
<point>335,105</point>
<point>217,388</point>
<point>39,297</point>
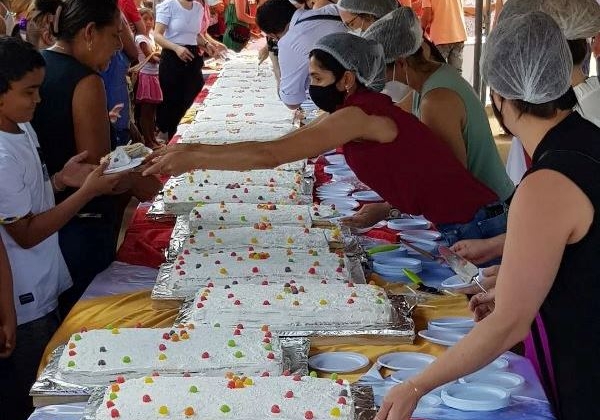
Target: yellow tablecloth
<point>130,310</point>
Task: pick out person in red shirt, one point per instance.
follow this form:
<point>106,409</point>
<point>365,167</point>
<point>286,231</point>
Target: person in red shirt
<point>132,14</point>
<point>389,149</point>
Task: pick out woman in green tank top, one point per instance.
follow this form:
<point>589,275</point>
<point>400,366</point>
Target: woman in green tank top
<point>442,99</point>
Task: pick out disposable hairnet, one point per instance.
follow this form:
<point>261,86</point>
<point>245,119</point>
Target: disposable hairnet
<point>362,56</point>
<point>377,8</point>
<point>398,32</point>
<point>577,19</point>
<point>527,57</point>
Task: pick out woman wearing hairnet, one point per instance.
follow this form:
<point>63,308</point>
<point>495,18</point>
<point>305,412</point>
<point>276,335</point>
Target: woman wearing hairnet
<point>553,229</point>
<point>577,20</point>
<point>444,102</point>
<point>387,148</point>
<point>359,15</point>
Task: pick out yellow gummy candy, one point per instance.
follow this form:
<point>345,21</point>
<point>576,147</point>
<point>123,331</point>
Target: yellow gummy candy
<point>335,412</point>
<point>163,410</point>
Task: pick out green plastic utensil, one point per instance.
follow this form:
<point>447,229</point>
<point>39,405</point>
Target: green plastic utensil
<point>382,248</point>
<point>412,276</point>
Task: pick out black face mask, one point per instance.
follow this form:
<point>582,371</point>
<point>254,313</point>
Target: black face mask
<point>327,98</point>
<point>498,115</point>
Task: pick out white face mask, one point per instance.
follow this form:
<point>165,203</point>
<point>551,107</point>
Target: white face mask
<point>357,32</point>
<point>394,89</point>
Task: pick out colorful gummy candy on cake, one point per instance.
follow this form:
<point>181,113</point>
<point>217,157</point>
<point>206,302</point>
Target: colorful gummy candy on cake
<point>266,177</point>
<point>290,397</point>
<point>294,306</point>
<point>97,356</point>
<point>262,235</point>
<point>182,199</point>
<point>226,215</point>
<point>193,270</point>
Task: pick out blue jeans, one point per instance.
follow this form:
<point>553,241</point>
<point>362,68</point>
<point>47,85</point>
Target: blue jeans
<point>489,221</point>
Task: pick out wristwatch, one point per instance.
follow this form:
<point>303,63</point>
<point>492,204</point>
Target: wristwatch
<point>394,213</point>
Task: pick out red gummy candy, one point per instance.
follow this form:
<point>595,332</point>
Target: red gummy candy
<point>289,394</point>
<point>120,379</point>
<point>265,374</point>
<point>231,384</point>
<point>275,409</point>
<point>162,347</point>
<point>286,372</point>
<point>341,400</point>
<point>199,305</point>
<point>146,398</point>
<point>268,334</point>
<point>240,327</point>
<point>114,413</point>
<point>308,415</point>
<point>110,404</point>
<point>237,332</point>
<point>237,302</point>
<point>270,356</point>
<point>297,378</point>
<point>205,355</point>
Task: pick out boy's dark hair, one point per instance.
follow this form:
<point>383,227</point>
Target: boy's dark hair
<point>273,16</point>
<point>18,58</point>
<point>548,109</point>
<point>77,14</point>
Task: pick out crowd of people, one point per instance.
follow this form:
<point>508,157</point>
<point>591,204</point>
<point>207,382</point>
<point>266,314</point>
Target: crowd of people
<point>77,77</point>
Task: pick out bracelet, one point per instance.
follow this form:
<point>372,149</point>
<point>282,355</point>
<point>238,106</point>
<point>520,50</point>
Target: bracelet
<point>413,386</point>
<point>54,185</point>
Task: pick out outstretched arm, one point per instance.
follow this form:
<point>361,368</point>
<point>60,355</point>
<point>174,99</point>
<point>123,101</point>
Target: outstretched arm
<point>330,132</point>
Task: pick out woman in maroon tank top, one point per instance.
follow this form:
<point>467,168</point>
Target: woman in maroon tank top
<point>387,148</point>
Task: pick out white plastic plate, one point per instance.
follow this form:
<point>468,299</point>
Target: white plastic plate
<point>471,397</point>
<point>339,362</point>
<point>406,360</point>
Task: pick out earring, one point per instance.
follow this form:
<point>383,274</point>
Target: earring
<point>89,46</point>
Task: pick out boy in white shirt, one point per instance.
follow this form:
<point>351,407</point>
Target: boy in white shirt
<point>30,220</point>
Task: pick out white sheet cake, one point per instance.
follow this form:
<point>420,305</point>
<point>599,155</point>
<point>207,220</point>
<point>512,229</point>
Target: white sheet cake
<point>191,269</point>
<point>294,306</point>
<point>293,237</point>
<point>267,177</point>
<point>181,199</point>
<point>227,215</point>
<point>235,398</point>
<point>97,356</point>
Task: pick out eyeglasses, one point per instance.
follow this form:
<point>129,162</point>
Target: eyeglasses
<point>347,24</point>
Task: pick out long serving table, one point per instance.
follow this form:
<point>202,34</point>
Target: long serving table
<point>120,297</point>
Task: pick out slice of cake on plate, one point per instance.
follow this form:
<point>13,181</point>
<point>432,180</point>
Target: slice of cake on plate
<point>250,398</point>
<point>295,306</point>
<point>97,356</point>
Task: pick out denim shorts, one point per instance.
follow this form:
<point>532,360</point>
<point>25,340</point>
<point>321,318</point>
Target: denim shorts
<point>489,221</point>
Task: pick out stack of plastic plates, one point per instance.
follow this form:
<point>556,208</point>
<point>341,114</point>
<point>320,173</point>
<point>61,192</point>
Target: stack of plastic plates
<point>441,337</point>
<point>367,196</point>
<point>393,268</point>
<point>335,169</point>
<point>429,246</point>
<point>450,322</point>
<point>472,397</point>
<point>408,224</point>
<point>341,203</point>
<point>421,234</point>
<point>389,256</point>
<point>336,159</point>
<point>334,190</point>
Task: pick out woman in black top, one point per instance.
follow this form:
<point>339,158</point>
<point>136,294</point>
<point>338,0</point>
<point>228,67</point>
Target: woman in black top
<point>551,252</point>
<point>73,117</point>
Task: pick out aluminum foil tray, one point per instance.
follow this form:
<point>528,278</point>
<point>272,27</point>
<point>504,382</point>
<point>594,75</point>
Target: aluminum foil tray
<point>50,388</point>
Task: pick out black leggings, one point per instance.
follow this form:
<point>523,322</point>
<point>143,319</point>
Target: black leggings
<point>180,83</point>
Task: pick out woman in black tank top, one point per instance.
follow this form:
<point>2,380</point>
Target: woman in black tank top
<point>73,117</point>
<point>551,252</point>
